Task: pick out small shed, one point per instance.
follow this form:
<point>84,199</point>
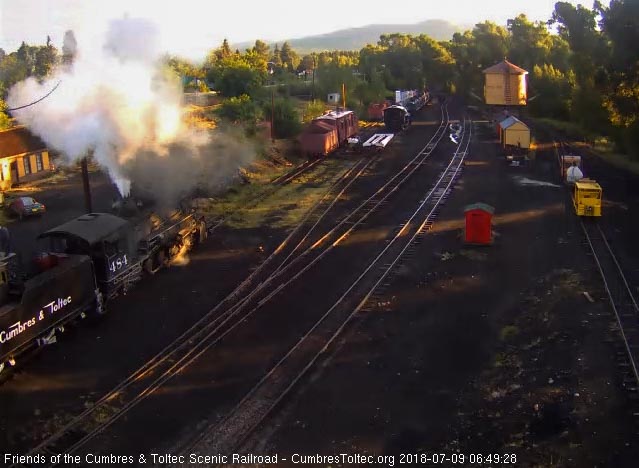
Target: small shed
<point>505,85</point>
<point>333,98</point>
<point>513,132</point>
<point>479,224</point>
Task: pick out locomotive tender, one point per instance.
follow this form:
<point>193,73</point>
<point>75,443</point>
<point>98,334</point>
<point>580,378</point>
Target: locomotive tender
<point>396,118</point>
<point>86,262</point>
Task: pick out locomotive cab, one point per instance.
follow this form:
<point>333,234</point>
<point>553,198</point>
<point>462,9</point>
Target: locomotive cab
<point>107,239</point>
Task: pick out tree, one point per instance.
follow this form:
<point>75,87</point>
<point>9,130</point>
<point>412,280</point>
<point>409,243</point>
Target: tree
<point>276,58</point>
<point>240,110</point>
<point>26,56</point>
<point>313,109</point>
<point>234,76</point>
<point>620,26</point>
<point>224,51</point>
<point>437,63</point>
<point>262,49</point>
<point>289,57</point>
<point>46,58</point>
<point>5,122</point>
<point>12,71</point>
<point>287,121</point>
<point>578,27</point>
<point>553,92</point>
<point>530,42</point>
<point>307,63</point>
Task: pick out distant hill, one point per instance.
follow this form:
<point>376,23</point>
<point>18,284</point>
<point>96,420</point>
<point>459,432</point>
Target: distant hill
<point>356,38</point>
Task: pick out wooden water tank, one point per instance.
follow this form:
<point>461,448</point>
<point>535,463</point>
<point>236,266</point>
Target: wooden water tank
<point>505,85</point>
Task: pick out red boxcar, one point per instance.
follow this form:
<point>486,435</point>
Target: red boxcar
<point>376,110</point>
<point>479,224</point>
<point>335,128</point>
<point>318,139</point>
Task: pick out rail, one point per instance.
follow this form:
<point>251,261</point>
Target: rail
<point>210,329</point>
<point>228,435</point>
<point>620,296</point>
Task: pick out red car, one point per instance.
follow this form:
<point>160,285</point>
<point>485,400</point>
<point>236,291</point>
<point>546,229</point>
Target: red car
<point>25,206</point>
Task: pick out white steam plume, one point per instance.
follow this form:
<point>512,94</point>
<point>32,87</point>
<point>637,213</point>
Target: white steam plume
<point>114,101</point>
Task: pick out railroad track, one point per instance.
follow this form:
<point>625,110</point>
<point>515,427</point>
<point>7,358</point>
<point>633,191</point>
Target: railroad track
<point>135,388</point>
<point>222,319</point>
<point>620,296</point>
<point>296,172</point>
<point>229,434</point>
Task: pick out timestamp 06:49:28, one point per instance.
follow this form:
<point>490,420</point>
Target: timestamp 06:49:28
<point>458,458</point>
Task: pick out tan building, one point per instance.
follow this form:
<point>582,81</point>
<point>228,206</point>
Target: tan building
<point>513,132</point>
<point>505,85</point>
<point>23,157</point>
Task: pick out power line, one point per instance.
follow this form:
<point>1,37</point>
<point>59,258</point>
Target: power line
<point>35,102</point>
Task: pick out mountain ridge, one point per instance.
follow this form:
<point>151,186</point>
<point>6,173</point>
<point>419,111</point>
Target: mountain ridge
<point>357,38</point>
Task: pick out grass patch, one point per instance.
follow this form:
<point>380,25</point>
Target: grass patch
<point>259,203</point>
<point>605,149</point>
<point>474,255</point>
<point>508,332</point>
<point>601,147</point>
<point>500,360</point>
<point>569,129</point>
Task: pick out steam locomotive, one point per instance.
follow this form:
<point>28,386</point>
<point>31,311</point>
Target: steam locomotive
<point>86,262</point>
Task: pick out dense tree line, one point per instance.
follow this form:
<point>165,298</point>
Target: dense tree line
<point>582,64</point>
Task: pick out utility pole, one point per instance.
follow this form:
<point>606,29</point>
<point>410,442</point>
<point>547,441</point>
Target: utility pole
<point>344,96</point>
<point>272,115</point>
<point>313,92</point>
<point>85,184</point>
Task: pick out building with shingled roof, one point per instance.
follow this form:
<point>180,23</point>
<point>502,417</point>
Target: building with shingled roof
<point>23,157</point>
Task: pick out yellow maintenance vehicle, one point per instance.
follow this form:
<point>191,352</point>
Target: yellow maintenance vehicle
<point>586,198</point>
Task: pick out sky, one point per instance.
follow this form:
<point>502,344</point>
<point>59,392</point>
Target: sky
<point>189,28</point>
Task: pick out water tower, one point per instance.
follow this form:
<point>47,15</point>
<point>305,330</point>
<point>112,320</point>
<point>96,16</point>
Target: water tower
<point>505,85</point>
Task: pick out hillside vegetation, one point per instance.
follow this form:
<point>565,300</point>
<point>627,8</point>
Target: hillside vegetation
<point>356,38</point>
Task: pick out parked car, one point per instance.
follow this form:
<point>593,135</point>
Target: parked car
<point>24,206</point>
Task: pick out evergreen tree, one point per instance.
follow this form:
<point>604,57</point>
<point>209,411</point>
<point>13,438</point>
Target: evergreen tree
<point>262,49</point>
<point>289,57</point>
<point>225,50</point>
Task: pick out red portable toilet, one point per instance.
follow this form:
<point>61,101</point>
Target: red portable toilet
<point>479,224</point>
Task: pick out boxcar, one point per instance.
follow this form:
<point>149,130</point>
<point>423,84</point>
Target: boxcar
<point>328,132</point>
<point>319,139</point>
<point>345,122</point>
